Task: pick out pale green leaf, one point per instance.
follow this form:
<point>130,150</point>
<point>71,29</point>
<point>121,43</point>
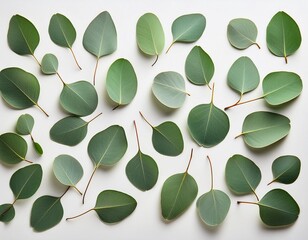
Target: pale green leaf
<point>25,124</point>
<point>49,64</point>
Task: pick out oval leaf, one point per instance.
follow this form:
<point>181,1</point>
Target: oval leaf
<point>107,147</point>
<point>13,148</point>
<point>242,33</point>
<point>199,67</point>
<point>79,98</point>
<point>261,129</point>
<point>283,36</point>
<point>49,64</point>
<point>7,212</point>
<point>25,124</point>
<point>114,206</point>
<point>281,87</point>
<point>38,148</point>
<point>242,175</point>
<point>121,82</point>
<point>169,89</point>
<point>22,36</point>
<point>46,212</point>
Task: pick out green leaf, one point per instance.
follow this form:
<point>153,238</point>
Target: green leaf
<point>286,169</point>
<point>23,37</point>
<point>169,89</point>
<point>242,33</point>
<point>26,181</point>
<point>49,64</point>
<point>38,148</point>
<point>150,35</point>
<point>67,170</point>
<point>281,87</point>
<point>199,67</point>
<point>13,148</point>
<point>121,82</point>
<point>7,212</point>
<point>261,129</point>
<point>46,212</point>
<point>242,175</point>
<point>188,28</point>
<point>25,124</point>
<point>79,98</point>
<point>283,36</point>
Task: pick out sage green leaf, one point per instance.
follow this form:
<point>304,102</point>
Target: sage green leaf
<point>242,33</point>
<point>242,175</point>
<point>261,129</point>
<point>38,148</point>
<point>188,28</point>
<point>25,124</point>
<point>23,37</point>
<point>199,67</point>
<point>7,212</point>
<point>19,89</point>
<point>46,212</point>
<point>26,181</point>
<point>49,64</point>
<point>283,36</point>
<point>281,87</point>
<point>150,35</point>
<point>121,82</point>
<point>13,148</point>
<point>169,89</point>
<point>79,98</point>
<point>286,169</point>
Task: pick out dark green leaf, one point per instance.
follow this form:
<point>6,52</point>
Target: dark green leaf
<point>7,212</point>
<point>38,148</point>
<point>25,124</point>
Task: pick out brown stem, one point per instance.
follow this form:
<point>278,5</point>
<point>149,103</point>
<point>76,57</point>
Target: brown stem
<point>95,117</point>
<point>85,192</point>
<point>233,105</point>
<point>190,158</point>
<point>116,107</point>
<point>212,176</point>
<point>75,59</point>
<point>240,202</point>
<point>36,60</point>
<point>65,191</point>
<point>32,139</point>
<point>77,190</point>
<point>79,215</point>
<point>42,109</point>
<point>239,135</point>
<point>169,47</point>
<point>28,161</point>
<point>286,59</point>
<point>254,193</point>
<point>146,120</point>
<point>60,78</point>
<point>95,69</point>
<point>155,61</point>
<point>257,45</point>
<point>136,131</point>
<point>248,101</point>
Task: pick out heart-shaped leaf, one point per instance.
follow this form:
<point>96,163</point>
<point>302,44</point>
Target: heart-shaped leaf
<point>121,82</point>
<point>79,98</point>
<point>25,124</point>
<point>283,36</point>
<point>188,28</point>
<point>46,212</point>
<point>7,212</point>
<point>19,89</point>
<point>100,37</point>
<point>150,35</point>
<point>169,89</point>
<point>242,33</point>
<point>286,169</point>
<point>261,129</point>
<point>49,64</point>
<point>26,181</point>
<point>199,67</point>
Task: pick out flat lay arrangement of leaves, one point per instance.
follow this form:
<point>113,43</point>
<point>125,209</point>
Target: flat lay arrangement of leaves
<point>207,124</point>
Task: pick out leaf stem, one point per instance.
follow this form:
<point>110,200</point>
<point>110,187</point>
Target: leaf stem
<point>116,107</point>
<point>155,61</point>
<point>95,69</point>
<point>85,192</point>
<point>169,47</point>
<point>28,161</point>
<point>146,120</point>
<point>36,60</point>
<point>61,78</point>
<point>79,215</point>
<point>257,45</point>
<point>233,105</point>
<point>254,193</point>
<point>286,59</point>
<point>239,135</point>
<point>32,139</point>
<point>241,202</point>
<point>248,101</point>
<point>77,190</point>
<point>75,58</point>
<point>65,191</point>
<point>190,158</point>
<point>212,175</point>
<point>274,180</point>
<point>42,109</point>
<point>95,117</point>
<point>136,131</point>
<point>212,97</point>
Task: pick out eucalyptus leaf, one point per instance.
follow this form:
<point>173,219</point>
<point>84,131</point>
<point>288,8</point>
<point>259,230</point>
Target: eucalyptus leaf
<point>169,89</point>
<point>286,169</point>
<point>49,64</point>
<point>150,35</point>
<point>199,67</point>
<point>7,212</point>
<point>100,37</point>
<point>242,33</point>
<point>25,124</point>
<point>283,36</point>
<point>261,129</point>
<point>38,148</point>
<point>121,82</point>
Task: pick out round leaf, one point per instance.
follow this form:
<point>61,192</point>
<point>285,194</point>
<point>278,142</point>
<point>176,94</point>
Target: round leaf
<point>142,171</point>
<point>178,193</point>
<point>242,175</point>
<point>283,36</point>
<point>242,33</point>
<point>213,207</point>
<point>7,212</point>
<point>199,67</point>
<point>121,82</point>
<point>286,169</point>
<point>25,124</point>
<point>22,36</point>
<point>281,87</point>
<point>49,64</point>
<point>113,206</point>
<point>208,125</point>
<point>261,129</point>
<point>26,181</point>
<point>169,89</point>
<point>107,147</point>
<point>46,212</point>
<point>79,98</point>
<point>13,148</point>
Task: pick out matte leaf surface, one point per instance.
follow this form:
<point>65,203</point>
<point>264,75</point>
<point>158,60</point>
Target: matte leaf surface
<point>7,212</point>
<point>13,148</point>
<point>49,64</point>
<point>25,124</point>
<point>38,148</point>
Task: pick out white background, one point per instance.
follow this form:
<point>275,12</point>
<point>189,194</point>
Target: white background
<point>243,221</point>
